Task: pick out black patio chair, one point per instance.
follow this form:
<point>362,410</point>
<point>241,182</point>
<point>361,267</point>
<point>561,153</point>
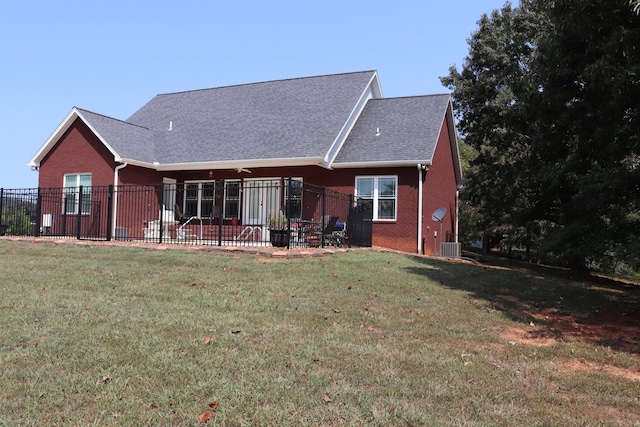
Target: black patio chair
<point>316,237</point>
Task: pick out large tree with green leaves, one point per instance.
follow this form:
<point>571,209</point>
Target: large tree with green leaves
<point>491,98</point>
<point>588,113</point>
<point>548,97</point>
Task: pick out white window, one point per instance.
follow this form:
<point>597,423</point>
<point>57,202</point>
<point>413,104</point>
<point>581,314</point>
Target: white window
<point>383,192</point>
<point>199,199</point>
<point>231,199</point>
<point>72,184</point>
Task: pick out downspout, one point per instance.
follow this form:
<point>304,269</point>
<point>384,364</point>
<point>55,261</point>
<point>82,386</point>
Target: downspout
<point>457,232</point>
<point>116,180</point>
<point>421,170</point>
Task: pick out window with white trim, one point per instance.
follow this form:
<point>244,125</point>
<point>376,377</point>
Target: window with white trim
<point>72,183</point>
<point>231,199</point>
<point>199,199</point>
<point>383,192</point>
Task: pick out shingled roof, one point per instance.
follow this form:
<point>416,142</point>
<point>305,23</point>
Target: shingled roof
<point>338,120</point>
<point>284,119</point>
<point>395,131</point>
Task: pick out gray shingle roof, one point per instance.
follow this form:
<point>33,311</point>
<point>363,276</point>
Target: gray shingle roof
<point>128,140</point>
<point>275,123</point>
<point>270,120</point>
<point>408,130</point>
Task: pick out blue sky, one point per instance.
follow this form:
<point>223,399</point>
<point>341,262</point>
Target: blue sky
<point>111,57</point>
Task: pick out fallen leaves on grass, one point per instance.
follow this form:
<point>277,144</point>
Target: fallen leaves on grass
<point>103,380</point>
<point>205,416</point>
<point>207,339</point>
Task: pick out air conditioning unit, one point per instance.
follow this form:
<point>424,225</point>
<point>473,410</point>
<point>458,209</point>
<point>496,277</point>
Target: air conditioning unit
<point>450,249</point>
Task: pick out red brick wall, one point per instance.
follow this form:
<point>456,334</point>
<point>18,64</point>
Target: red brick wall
<point>131,174</point>
<point>439,191</point>
<point>78,151</point>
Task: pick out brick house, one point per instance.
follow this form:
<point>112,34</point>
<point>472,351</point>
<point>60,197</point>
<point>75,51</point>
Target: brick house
<point>337,131</point>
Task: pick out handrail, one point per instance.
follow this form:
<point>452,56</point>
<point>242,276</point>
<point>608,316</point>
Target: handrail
<point>180,233</point>
<point>251,230</point>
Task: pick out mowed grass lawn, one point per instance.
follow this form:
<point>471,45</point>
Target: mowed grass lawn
<point>105,335</point>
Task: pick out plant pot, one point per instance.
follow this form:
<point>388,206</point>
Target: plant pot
<point>279,238</point>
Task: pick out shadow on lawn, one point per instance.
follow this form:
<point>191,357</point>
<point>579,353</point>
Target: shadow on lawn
<point>599,310</point>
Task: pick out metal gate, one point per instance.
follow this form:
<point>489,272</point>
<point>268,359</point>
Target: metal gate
<point>360,223</point>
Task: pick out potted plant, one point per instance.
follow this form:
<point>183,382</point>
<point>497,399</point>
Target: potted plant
<point>278,233</point>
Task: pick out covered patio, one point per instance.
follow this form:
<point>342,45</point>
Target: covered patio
<point>283,212</point>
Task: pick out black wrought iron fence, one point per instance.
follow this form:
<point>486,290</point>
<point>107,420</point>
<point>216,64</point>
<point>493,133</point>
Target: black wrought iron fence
<point>258,212</point>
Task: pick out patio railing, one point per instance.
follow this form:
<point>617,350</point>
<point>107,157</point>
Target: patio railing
<point>283,212</point>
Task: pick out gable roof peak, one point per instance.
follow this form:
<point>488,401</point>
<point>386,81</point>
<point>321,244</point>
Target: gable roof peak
<point>83,110</point>
<point>291,79</point>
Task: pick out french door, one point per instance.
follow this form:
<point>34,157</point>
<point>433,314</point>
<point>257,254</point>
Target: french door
<point>261,199</point>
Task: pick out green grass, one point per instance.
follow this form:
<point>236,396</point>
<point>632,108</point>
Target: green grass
<point>110,336</point>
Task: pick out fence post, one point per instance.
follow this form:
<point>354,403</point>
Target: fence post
<point>109,212</point>
<point>349,219</point>
<point>79,221</point>
<point>64,214</point>
<point>1,207</point>
<point>36,229</point>
<point>324,212</point>
<point>161,211</point>
<point>220,213</point>
<point>287,209</point>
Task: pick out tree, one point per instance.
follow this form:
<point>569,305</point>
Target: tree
<point>549,97</point>
<point>490,96</point>
<point>589,62</point>
<point>471,229</point>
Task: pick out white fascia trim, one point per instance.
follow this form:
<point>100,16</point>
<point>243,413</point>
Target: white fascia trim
<point>231,164</point>
<point>453,139</point>
<point>60,130</point>
<point>381,164</point>
<point>375,85</point>
<point>375,93</point>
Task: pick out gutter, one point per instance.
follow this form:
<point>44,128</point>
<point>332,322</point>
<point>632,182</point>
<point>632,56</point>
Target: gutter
<point>229,164</point>
<point>380,164</point>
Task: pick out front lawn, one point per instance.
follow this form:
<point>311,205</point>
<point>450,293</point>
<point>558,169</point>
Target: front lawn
<point>110,335</point>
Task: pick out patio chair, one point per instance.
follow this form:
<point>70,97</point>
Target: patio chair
<point>181,217</point>
<point>339,235</point>
<point>315,237</point>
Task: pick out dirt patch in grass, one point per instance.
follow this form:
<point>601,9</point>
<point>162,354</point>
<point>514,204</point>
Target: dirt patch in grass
<point>579,365</point>
<point>620,331</point>
<point>515,335</point>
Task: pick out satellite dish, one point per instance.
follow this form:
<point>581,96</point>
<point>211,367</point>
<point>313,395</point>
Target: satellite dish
<point>439,214</point>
